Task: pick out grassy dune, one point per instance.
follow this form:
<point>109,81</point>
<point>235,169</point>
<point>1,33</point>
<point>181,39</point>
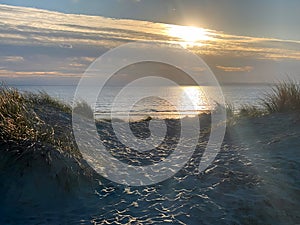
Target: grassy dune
<point>38,152</point>
<point>35,118</point>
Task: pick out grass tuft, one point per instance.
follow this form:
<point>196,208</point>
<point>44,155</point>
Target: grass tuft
<point>284,97</point>
<point>42,98</point>
<point>251,111</point>
<point>35,118</point>
<point>82,108</point>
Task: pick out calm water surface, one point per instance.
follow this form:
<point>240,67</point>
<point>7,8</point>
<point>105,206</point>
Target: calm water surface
<point>156,107</point>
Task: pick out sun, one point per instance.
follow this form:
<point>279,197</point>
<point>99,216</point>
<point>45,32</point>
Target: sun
<point>188,34</point>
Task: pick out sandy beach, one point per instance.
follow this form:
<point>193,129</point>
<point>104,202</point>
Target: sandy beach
<point>253,180</point>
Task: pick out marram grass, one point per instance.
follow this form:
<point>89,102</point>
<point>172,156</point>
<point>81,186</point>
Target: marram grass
<point>28,118</point>
<point>284,97</point>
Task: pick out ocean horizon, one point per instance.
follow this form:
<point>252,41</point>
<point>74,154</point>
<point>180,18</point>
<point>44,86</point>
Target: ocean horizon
<point>236,94</point>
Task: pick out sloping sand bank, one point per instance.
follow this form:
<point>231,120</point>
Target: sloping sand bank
<point>253,180</point>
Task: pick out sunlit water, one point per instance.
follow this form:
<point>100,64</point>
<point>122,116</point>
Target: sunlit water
<point>153,106</point>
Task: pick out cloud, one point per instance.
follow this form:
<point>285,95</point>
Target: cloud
<point>66,44</point>
<point>235,69</point>
<point>10,73</point>
<point>126,1</point>
<point>86,59</point>
<point>33,27</point>
<point>12,58</point>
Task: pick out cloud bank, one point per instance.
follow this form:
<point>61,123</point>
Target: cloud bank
<point>37,42</point>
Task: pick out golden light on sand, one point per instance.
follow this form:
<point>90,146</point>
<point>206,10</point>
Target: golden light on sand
<point>188,34</point>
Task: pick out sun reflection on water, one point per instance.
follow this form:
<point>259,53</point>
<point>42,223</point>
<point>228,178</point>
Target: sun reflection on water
<point>196,96</point>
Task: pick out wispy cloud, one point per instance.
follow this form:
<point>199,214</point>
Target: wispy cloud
<point>235,69</point>
<point>10,73</point>
<point>65,44</point>
<point>129,1</point>
<point>11,58</point>
<point>39,27</point>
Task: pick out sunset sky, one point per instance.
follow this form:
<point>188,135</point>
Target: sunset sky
<point>242,41</point>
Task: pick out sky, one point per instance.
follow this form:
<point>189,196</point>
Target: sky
<point>264,18</point>
<point>241,41</point>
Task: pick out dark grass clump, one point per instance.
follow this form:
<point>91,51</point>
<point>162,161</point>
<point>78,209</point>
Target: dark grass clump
<point>42,98</point>
<point>28,119</point>
<point>251,111</point>
<point>230,109</point>
<point>82,108</point>
<point>285,97</point>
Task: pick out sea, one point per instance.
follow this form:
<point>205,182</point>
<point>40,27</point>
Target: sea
<point>162,101</point>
